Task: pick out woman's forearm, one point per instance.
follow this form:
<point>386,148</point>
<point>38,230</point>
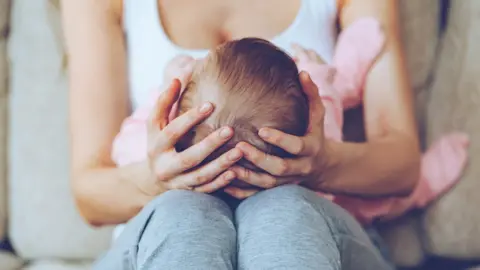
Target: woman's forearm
<point>389,162</point>
<point>107,196</point>
<point>383,167</point>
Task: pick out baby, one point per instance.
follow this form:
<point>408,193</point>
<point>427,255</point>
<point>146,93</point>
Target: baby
<point>249,94</point>
<point>254,84</point>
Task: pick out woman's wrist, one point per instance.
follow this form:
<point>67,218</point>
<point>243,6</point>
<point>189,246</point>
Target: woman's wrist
<point>371,169</point>
<point>141,176</point>
<point>326,167</point>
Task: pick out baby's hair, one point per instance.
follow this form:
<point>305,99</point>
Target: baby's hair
<point>253,84</point>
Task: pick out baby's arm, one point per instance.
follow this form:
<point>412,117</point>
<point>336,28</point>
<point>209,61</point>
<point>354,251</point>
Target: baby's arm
<point>357,48</point>
<point>130,145</point>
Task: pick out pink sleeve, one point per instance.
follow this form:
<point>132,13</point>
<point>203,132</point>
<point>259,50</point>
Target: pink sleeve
<point>130,144</point>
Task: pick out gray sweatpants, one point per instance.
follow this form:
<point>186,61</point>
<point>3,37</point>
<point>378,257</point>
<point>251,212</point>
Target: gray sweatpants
<point>287,227</point>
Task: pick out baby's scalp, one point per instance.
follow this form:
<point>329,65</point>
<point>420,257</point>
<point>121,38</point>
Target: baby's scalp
<point>253,84</point>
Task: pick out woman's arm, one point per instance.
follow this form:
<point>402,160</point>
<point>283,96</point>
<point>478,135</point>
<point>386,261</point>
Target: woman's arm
<point>98,104</point>
<point>389,162</point>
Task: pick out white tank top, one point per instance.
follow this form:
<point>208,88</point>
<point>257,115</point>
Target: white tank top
<point>150,49</point>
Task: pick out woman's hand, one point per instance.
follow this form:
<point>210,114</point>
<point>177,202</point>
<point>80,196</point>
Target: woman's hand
<point>170,169</point>
<point>311,151</point>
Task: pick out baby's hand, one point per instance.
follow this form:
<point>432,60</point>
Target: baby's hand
<point>303,56</point>
<point>180,67</point>
<point>309,61</point>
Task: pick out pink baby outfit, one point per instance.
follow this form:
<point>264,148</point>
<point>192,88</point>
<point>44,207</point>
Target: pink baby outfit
<point>355,53</point>
<point>340,86</point>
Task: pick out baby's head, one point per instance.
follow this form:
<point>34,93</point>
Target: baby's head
<point>253,84</point>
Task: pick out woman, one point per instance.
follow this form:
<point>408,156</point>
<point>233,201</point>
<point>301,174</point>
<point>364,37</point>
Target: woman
<point>283,227</point>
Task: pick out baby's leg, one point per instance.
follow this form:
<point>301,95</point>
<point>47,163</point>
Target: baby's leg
<point>441,168</point>
<point>357,48</point>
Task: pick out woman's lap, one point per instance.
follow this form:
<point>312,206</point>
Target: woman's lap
<point>287,227</point>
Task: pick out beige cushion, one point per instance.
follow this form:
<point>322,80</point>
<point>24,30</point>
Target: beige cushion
<point>3,166</point>
<point>4,16</point>
<point>9,261</point>
<point>58,265</point>
<point>420,38</point>
<point>419,32</point>
<point>420,27</point>
<point>4,11</point>
<point>452,226</point>
<point>404,242</point>
<point>44,222</point>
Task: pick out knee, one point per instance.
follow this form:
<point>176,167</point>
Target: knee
<point>289,203</point>
<point>188,212</point>
<point>179,223</point>
<point>282,197</point>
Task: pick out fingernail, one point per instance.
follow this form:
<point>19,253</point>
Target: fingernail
<point>225,132</point>
<point>234,154</point>
<point>206,107</point>
<point>264,133</point>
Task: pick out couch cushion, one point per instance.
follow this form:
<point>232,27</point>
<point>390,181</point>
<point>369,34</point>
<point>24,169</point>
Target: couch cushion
<point>420,37</point>
<point>9,262</point>
<point>3,166</point>
<point>420,28</point>
<point>43,218</point>
<point>4,18</point>
<point>401,236</point>
<point>57,265</point>
<point>452,225</point>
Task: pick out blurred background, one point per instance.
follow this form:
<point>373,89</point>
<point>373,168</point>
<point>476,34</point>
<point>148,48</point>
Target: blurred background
<point>40,228</point>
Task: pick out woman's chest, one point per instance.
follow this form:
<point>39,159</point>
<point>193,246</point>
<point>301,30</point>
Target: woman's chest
<point>158,30</point>
<point>194,24</point>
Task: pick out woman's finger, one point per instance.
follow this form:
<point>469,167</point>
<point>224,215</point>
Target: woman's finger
<point>158,117</point>
<point>240,193</point>
<point>300,146</point>
<point>262,180</point>
<point>219,182</point>
<point>271,164</point>
<point>179,126</point>
<point>208,145</point>
<point>309,88</point>
<point>207,172</point>
<point>317,110</point>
